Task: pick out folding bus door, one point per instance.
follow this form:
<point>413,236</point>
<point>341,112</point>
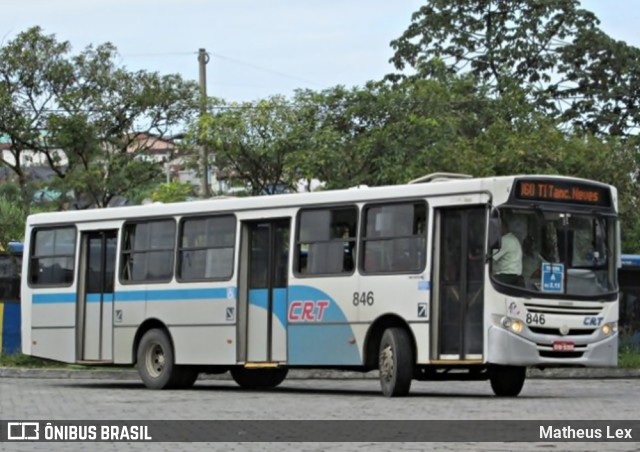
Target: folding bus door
<point>267,244</point>
<point>95,313</point>
<point>460,251</point>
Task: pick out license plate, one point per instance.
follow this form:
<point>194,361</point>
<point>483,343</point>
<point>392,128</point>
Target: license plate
<point>563,346</point>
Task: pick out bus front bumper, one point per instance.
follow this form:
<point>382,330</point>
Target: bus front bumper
<point>508,348</point>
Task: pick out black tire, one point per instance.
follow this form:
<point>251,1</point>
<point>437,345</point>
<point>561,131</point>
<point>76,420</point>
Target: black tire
<point>507,381</point>
<point>395,362</point>
<point>155,360</point>
<point>258,378</point>
<point>188,376</point>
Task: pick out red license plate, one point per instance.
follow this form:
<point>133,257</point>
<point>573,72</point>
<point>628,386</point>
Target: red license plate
<point>563,346</point>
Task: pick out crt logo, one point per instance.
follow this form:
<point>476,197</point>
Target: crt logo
<point>307,311</point>
<point>593,321</point>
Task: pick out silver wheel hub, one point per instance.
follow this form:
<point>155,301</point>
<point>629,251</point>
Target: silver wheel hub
<point>155,360</point>
<point>386,363</point>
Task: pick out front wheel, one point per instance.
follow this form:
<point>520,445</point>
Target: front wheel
<point>507,381</point>
<point>395,362</point>
<point>258,378</point>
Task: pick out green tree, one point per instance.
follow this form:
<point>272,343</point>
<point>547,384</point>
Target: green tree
<point>12,223</point>
<point>87,109</point>
<point>552,48</point>
<point>174,191</point>
<point>387,134</point>
<point>33,67</point>
<point>252,142</point>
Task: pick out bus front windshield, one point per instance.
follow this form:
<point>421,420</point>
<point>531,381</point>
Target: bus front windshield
<point>563,253</point>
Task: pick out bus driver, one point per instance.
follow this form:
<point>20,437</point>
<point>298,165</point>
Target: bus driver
<point>507,262</point>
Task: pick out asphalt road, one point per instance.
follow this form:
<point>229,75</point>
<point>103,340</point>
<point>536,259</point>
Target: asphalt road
<point>64,399</point>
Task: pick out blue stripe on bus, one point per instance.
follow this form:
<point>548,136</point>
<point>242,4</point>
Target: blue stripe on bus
<point>138,295</point>
<point>97,297</point>
<point>171,294</point>
<point>46,298</point>
<point>259,298</point>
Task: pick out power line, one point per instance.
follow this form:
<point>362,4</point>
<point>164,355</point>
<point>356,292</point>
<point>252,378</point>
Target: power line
<point>264,69</point>
<point>222,57</point>
<point>158,54</point>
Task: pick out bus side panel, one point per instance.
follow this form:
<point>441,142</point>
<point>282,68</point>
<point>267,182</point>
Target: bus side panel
<point>53,319</point>
<point>129,308</point>
<point>195,315</point>
<point>201,321</point>
<point>204,344</point>
<point>58,344</point>
<point>404,296</point>
<point>320,323</point>
<point>123,337</point>
<point>421,334</point>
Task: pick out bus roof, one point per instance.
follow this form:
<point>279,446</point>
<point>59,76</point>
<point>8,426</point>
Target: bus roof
<point>230,204</point>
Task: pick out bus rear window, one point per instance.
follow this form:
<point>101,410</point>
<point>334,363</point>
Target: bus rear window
<point>52,257</point>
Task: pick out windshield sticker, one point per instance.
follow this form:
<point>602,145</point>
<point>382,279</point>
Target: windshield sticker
<point>553,278</point>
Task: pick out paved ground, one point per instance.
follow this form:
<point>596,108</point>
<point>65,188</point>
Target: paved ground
<point>64,399</point>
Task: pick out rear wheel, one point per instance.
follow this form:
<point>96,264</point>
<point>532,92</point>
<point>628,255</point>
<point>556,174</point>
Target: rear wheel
<point>507,381</point>
<point>395,362</point>
<point>156,364</point>
<point>258,378</point>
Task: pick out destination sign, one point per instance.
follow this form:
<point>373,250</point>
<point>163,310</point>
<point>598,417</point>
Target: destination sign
<point>562,191</point>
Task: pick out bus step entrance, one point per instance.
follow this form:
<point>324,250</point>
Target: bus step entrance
<point>261,365</point>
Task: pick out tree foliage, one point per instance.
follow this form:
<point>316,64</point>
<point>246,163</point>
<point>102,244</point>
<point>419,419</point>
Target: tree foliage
<point>553,47</point>
<point>484,87</point>
<point>252,142</point>
<point>172,192</point>
<point>87,110</point>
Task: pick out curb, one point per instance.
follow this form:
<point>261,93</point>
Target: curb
<point>301,374</point>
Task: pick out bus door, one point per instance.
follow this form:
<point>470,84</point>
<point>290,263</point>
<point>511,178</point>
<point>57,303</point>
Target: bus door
<point>459,276</point>
<point>95,313</point>
<point>263,306</point>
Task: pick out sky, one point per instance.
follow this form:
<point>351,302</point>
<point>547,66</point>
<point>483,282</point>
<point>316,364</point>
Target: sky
<point>257,48</point>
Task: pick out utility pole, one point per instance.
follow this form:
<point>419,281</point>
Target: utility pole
<point>203,59</point>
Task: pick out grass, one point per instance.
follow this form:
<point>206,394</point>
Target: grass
<point>31,362</point>
<point>629,357</point>
<point>20,360</point>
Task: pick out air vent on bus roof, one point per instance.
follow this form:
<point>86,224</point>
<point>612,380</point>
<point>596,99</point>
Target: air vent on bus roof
<point>439,177</point>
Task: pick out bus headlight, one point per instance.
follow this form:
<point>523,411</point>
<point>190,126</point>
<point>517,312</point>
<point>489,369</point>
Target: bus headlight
<point>517,326</point>
<point>514,325</point>
<point>609,328</point>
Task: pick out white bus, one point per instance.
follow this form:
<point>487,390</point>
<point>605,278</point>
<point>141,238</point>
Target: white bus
<point>398,278</point>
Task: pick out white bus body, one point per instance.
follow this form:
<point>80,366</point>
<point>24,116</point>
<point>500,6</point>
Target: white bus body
<point>394,278</point>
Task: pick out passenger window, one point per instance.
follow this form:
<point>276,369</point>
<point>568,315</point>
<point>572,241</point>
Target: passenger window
<point>148,250</point>
<point>207,248</point>
<point>326,241</point>
<point>394,238</point>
